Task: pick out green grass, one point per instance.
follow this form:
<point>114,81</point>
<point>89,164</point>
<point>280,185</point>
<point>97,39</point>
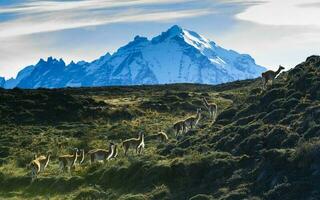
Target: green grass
<point>264,144</point>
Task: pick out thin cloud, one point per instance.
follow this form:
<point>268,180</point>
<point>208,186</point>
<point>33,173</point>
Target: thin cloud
<point>284,12</point>
<point>34,7</point>
<point>46,16</point>
<point>70,21</point>
<point>315,4</point>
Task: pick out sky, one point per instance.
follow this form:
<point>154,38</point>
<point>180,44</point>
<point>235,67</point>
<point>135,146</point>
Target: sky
<point>273,32</point>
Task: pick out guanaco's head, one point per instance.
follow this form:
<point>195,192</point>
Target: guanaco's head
<point>81,152</point>
<point>199,110</point>
<point>281,67</point>
<point>141,134</point>
<point>76,151</point>
<point>49,154</point>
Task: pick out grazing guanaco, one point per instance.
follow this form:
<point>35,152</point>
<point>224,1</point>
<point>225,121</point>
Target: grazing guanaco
<point>193,121</point>
<point>162,136</point>
<point>68,161</point>
<point>270,75</point>
<point>212,109</point>
<point>101,155</point>
<point>179,127</point>
<point>137,143</point>
<point>39,164</point>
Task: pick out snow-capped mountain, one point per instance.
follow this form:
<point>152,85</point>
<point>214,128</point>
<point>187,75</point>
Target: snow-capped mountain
<point>175,56</point>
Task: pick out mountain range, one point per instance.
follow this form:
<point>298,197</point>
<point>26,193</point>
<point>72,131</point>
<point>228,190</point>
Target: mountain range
<point>175,56</point>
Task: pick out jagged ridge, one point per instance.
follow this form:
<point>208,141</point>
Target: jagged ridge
<point>175,56</point>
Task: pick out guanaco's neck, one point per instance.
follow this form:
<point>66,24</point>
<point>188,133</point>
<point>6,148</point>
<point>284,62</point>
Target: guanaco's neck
<point>47,160</point>
<point>82,156</point>
<point>198,117</point>
<point>141,138</point>
<point>278,71</point>
<point>111,150</point>
<point>198,114</point>
<point>75,156</point>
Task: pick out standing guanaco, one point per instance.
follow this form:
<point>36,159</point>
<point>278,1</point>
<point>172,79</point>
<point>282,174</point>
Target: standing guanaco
<point>193,121</point>
<point>212,109</point>
<point>137,143</point>
<point>179,127</point>
<point>101,155</point>
<point>68,161</point>
<point>270,75</point>
<point>39,164</point>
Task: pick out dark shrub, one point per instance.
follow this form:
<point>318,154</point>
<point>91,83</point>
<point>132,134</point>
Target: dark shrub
<point>307,153</point>
<point>291,141</point>
<point>312,132</point>
<point>276,104</point>
<point>290,104</point>
<point>91,193</point>
<point>251,109</point>
<point>275,116</point>
<point>276,136</point>
<point>290,118</point>
<point>302,106</point>
<point>251,144</point>
<point>272,95</point>
<point>245,120</point>
<point>121,114</point>
<point>183,95</point>
<point>158,106</point>
<point>227,114</point>
<point>201,197</point>
<point>294,94</point>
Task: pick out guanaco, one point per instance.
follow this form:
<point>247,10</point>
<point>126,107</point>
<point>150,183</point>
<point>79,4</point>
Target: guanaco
<point>137,143</point>
<point>101,155</point>
<point>179,127</point>
<point>68,161</point>
<point>39,164</point>
<point>212,109</point>
<point>270,75</point>
<point>193,121</point>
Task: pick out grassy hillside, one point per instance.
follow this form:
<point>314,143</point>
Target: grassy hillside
<point>264,145</point>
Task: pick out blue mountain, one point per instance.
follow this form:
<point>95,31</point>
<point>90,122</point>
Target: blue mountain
<point>175,56</point>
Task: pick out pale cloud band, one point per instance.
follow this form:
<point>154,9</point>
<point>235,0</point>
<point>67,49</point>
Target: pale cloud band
<point>33,6</point>
<point>30,26</point>
<point>284,12</point>
<point>46,16</point>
